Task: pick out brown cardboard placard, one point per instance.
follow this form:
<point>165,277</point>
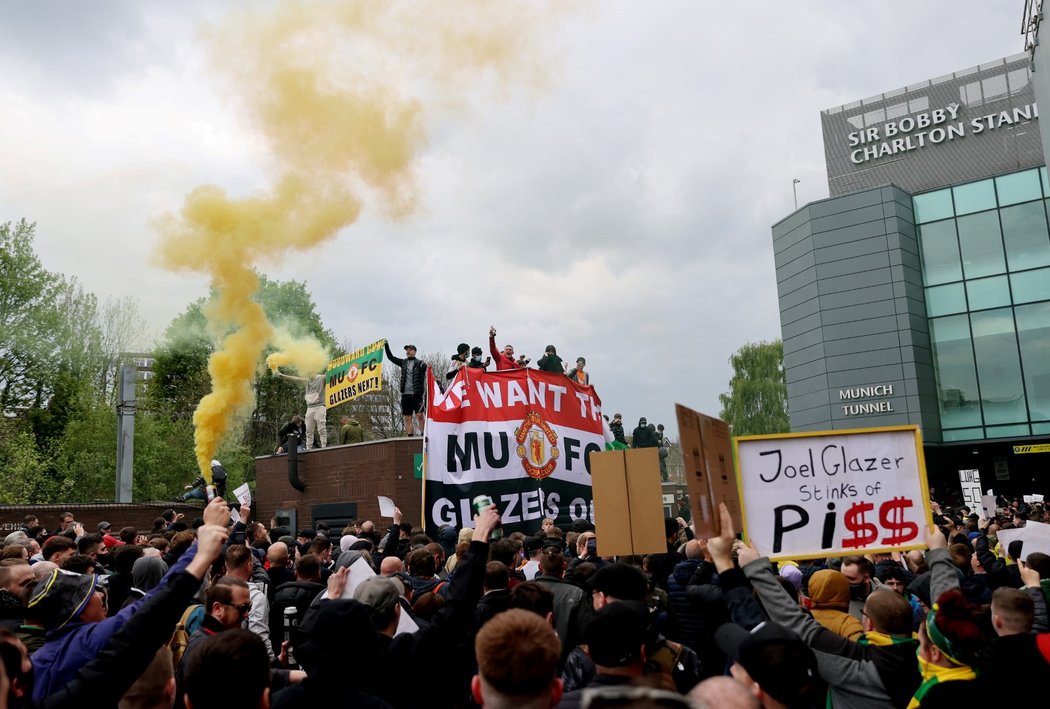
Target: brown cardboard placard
<point>612,510</point>
<point>628,502</point>
<point>645,496</point>
<point>709,475</point>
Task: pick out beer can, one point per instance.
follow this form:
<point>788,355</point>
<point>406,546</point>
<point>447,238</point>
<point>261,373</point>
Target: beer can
<point>479,503</point>
<point>210,491</point>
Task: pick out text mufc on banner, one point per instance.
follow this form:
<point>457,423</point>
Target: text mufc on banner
<point>833,493</point>
<point>520,436</point>
<point>355,374</point>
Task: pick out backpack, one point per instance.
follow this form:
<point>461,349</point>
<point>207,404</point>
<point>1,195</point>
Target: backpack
<point>192,618</point>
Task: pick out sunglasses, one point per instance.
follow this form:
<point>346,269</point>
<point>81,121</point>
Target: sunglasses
<point>242,609</point>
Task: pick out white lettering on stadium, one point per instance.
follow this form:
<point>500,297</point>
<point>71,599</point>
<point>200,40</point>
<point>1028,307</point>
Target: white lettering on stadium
<point>930,128</point>
<point>866,392</point>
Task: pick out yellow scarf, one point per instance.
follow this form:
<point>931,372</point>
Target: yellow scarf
<point>935,674</point>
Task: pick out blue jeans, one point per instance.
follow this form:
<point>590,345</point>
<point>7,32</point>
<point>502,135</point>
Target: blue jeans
<point>196,493</point>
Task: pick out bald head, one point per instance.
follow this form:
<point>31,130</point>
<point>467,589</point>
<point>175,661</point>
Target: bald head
<point>722,693</point>
<point>694,549</point>
<point>43,568</point>
<point>277,554</point>
<point>391,565</point>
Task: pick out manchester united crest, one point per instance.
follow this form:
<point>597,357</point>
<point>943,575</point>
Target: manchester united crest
<point>537,446</point>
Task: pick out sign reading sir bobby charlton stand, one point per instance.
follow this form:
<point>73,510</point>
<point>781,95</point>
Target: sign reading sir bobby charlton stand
<point>833,493</point>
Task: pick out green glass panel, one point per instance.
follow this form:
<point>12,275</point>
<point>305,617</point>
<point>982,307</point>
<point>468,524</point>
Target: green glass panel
<point>955,371</point>
<point>981,244</point>
<point>1045,180</point>
<point>1006,431</point>
<point>940,253</point>
<point>1039,429</point>
<point>974,197</point>
<point>1025,236</point>
<point>998,366</point>
<point>987,293</point>
<point>1031,285</point>
<point>945,300</point>
<point>1019,187</point>
<point>963,434</point>
<point>1033,334</point>
<point>932,206</point>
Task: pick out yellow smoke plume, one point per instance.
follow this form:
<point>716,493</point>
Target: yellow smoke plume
<point>337,90</point>
<point>303,354</point>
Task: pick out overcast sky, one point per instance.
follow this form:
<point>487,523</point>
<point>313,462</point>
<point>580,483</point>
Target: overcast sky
<point>619,209</point>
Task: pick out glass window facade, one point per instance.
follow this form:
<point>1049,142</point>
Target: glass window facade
<point>985,249</point>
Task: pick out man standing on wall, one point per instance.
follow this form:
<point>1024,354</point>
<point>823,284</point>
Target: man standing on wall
<point>316,420</point>
<point>413,386</point>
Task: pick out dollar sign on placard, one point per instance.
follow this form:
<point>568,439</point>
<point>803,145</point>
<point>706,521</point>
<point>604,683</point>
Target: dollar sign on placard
<point>891,516</point>
<point>864,532</point>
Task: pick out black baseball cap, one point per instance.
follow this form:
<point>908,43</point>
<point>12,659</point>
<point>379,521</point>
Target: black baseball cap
<point>620,581</point>
<point>411,347</point>
<point>615,634</point>
<point>775,657</point>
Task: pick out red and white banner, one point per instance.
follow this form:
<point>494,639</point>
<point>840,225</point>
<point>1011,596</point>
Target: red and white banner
<point>520,436</point>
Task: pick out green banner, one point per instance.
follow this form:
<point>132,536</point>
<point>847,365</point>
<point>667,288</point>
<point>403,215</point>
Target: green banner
<point>350,376</point>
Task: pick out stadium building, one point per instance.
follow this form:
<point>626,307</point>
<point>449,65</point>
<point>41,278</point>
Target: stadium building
<point>919,292</point>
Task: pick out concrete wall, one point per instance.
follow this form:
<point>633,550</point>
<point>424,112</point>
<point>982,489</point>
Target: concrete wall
<point>338,474</point>
<point>853,314</point>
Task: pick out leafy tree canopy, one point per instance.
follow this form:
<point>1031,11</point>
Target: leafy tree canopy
<point>756,402</point>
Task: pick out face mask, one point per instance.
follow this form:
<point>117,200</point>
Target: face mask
<point>858,592</point>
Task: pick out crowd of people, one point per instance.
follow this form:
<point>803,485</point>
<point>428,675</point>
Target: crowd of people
<point>212,612</point>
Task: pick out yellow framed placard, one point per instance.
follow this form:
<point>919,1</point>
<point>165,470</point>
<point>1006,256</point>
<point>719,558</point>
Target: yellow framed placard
<point>833,493</point>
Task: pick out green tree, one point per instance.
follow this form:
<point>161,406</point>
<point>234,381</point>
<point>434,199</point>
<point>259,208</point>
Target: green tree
<point>757,399</point>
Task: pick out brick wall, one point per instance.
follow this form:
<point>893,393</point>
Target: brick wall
<point>354,473</point>
<point>136,514</point>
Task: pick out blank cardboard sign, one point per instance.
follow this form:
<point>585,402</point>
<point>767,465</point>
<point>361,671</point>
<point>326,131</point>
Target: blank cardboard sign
<point>709,474</point>
<point>628,502</point>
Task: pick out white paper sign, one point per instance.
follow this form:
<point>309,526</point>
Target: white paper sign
<point>244,495</point>
<point>386,507</point>
<point>988,505</point>
<point>405,623</point>
<point>833,493</point>
<point>1035,535</point>
<point>359,572</point>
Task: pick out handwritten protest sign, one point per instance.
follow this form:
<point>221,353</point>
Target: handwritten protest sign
<point>833,493</point>
<point>970,480</point>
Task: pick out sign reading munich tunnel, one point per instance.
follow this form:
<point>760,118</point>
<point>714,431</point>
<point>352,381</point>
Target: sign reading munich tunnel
<point>833,493</point>
<point>520,436</point>
<point>350,376</point>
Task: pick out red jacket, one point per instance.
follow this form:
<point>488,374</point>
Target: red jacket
<point>502,361</point>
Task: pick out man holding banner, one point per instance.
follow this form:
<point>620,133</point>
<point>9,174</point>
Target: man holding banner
<point>521,437</point>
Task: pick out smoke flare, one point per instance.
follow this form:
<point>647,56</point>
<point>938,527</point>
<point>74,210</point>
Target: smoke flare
<point>337,90</point>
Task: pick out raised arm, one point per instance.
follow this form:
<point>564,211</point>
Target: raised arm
<point>278,373</point>
<point>390,355</point>
<point>942,571</point>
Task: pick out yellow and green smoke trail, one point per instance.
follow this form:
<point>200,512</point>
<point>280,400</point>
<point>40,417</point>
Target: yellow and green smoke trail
<point>337,90</point>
